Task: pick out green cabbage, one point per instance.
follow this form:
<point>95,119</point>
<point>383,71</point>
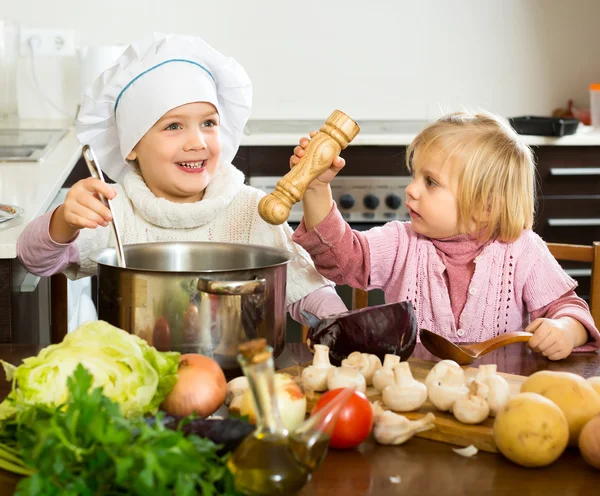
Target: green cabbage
<point>131,372</point>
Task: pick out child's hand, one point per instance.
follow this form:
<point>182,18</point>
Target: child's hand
<point>555,338</point>
<point>83,208</point>
<point>327,176</point>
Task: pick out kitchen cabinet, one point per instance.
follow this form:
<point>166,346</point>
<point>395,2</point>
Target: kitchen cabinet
<point>33,185</point>
<point>568,208</point>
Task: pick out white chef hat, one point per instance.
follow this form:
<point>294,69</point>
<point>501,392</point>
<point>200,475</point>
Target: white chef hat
<point>151,77</point>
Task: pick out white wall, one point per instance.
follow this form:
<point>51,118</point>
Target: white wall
<point>392,59</point>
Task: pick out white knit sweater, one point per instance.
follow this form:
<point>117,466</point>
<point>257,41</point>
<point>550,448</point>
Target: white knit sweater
<point>227,213</point>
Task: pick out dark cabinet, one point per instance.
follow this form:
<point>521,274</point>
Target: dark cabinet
<point>569,201</point>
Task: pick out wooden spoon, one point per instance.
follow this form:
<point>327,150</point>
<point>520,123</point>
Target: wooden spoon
<point>465,354</point>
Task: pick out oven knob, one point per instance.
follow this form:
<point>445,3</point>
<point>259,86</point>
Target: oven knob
<point>393,201</point>
<point>347,201</point>
<point>371,202</point>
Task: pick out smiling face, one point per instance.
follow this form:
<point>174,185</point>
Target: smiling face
<point>431,196</point>
<point>180,154</point>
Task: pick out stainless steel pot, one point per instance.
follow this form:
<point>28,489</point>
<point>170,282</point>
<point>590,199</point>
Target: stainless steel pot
<point>196,297</point>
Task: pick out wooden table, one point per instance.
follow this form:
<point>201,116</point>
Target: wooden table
<point>422,467</point>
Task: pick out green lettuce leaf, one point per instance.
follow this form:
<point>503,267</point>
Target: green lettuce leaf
<point>130,371</point>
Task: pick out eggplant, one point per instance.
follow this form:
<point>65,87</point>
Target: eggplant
<point>379,330</point>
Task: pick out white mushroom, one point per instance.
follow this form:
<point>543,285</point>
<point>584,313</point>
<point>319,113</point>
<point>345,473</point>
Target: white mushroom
<point>472,408</point>
<point>385,375</point>
<point>344,376</point>
<point>406,394</point>
<point>235,391</point>
<point>499,390</point>
<point>445,384</point>
<point>314,377</point>
<point>393,428</point>
<point>365,363</point>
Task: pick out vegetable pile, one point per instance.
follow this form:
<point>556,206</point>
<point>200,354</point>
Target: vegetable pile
<point>88,446</point>
<point>80,420</point>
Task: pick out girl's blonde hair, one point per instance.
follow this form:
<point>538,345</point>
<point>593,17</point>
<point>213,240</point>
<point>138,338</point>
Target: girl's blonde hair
<point>496,183</point>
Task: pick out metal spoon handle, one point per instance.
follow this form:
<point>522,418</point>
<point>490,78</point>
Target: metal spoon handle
<point>96,171</point>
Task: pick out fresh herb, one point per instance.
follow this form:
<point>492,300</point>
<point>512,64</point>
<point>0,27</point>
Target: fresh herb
<point>88,447</point>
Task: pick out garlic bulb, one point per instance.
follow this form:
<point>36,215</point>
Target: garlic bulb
<point>235,391</point>
<point>445,384</point>
<point>385,375</point>
<point>314,377</point>
<point>472,408</point>
<point>344,376</point>
<point>405,394</point>
<point>393,428</point>
<point>365,363</point>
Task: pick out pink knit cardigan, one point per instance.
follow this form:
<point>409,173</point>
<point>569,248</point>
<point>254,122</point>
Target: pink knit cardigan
<point>511,280</point>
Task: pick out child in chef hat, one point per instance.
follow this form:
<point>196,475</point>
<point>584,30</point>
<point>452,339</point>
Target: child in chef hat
<point>165,123</point>
<point>468,259</point>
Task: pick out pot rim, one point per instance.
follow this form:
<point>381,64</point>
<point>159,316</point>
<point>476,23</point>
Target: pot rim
<point>287,254</point>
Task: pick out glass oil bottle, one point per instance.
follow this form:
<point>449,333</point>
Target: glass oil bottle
<point>272,461</point>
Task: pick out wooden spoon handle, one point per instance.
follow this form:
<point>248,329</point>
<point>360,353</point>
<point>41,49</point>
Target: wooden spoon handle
<point>334,136</point>
<point>503,340</point>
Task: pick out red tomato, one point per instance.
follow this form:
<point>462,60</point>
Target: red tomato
<point>354,422</point>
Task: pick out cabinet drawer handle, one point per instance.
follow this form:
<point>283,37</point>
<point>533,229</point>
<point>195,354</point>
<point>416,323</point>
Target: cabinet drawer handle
<point>575,171</point>
<point>579,272</point>
<point>574,222</point>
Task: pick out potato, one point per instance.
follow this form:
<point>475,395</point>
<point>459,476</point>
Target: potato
<point>531,430</point>
<point>589,442</point>
<point>595,383</point>
<point>571,392</point>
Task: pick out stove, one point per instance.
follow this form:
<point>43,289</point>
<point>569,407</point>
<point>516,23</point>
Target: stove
<point>364,202</point>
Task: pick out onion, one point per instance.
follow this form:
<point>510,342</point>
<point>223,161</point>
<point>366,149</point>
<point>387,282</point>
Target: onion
<point>291,402</point>
<point>201,387</point>
<point>589,442</point>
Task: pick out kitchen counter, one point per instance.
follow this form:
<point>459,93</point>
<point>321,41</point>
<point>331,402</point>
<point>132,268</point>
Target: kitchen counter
<point>261,132</point>
<point>420,466</point>
<point>34,185</point>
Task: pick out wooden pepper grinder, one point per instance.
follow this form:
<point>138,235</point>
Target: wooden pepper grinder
<point>332,138</point>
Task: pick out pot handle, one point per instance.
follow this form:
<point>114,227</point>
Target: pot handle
<point>231,288</point>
